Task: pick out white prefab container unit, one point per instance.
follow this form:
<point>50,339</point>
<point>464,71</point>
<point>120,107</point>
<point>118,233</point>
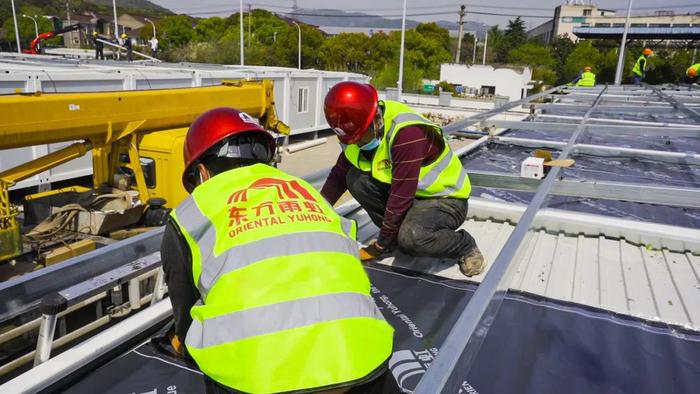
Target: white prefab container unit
<point>510,81</point>
<point>298,93</point>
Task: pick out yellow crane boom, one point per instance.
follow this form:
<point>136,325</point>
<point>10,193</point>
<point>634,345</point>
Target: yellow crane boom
<point>112,125</point>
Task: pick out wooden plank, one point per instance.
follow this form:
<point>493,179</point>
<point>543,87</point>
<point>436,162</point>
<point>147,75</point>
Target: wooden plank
<point>68,251</point>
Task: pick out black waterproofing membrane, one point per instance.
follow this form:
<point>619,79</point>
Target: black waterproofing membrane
<point>535,345</point>
<point>506,158</point>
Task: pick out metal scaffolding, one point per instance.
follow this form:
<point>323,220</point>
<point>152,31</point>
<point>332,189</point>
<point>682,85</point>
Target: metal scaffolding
<point>466,336</point>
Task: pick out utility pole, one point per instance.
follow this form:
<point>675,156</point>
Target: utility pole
<point>399,83</point>
<point>486,41</point>
<point>116,25</point>
<point>621,55</point>
<point>461,32</point>
<point>14,20</point>
<point>241,23</point>
<point>70,34</point>
<point>474,56</point>
<point>250,21</point>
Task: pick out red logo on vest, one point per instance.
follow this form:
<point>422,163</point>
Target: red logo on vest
<point>286,190</point>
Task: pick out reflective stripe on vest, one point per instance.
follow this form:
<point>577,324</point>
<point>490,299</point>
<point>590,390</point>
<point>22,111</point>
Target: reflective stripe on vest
<point>292,314</point>
<point>638,69</point>
<point>444,177</point>
<point>285,302</point>
<point>587,79</point>
<point>204,234</point>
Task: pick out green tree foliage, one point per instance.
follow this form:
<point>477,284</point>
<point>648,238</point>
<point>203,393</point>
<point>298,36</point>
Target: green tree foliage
<point>175,31</point>
<point>532,54</point>
<point>345,51</point>
<point>514,36</point>
<point>585,54</point>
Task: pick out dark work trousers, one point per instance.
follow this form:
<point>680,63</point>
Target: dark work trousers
<point>428,230</point>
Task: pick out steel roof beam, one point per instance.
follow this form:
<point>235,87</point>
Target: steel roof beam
<point>693,113</point>
<point>612,130</point>
<point>656,109</point>
<point>607,151</point>
<point>606,190</point>
<point>469,331</point>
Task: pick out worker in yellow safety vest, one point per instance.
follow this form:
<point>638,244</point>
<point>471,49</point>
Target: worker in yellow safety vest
<point>693,71</point>
<point>639,71</point>
<point>264,276</point>
<point>586,78</point>
<point>399,167</point>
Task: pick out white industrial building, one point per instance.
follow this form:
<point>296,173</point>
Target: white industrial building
<point>509,81</point>
<point>579,14</point>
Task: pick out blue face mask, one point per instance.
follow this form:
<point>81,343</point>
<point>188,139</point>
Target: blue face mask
<point>372,145</point>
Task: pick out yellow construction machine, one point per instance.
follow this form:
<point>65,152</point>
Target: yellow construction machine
<point>136,139</point>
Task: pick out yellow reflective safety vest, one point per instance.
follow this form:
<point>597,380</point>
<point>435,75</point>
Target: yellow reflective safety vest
<point>444,177</point>
<point>285,302</point>
<point>638,69</point>
<point>587,79</point>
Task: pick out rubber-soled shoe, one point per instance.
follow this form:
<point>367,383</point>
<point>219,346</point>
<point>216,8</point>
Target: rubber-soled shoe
<point>472,263</point>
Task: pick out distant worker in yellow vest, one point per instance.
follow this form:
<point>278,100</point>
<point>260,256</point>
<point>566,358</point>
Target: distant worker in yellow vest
<point>264,277</point>
<point>586,78</point>
<point>399,167</point>
<point>639,71</point>
<point>693,72</point>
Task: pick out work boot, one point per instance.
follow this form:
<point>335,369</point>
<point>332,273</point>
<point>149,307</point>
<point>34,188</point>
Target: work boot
<point>471,263</point>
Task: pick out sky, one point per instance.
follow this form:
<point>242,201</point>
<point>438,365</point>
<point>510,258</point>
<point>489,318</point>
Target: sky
<point>438,9</point>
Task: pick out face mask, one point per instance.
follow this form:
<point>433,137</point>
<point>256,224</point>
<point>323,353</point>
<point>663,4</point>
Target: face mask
<point>370,145</point>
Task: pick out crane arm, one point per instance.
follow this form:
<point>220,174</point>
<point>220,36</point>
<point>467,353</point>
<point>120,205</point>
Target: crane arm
<point>102,117</point>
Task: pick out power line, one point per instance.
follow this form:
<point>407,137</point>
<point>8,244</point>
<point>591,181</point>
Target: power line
<point>374,16</point>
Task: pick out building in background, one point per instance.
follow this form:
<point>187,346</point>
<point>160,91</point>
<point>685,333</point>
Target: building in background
<point>578,17</point>
<point>510,81</point>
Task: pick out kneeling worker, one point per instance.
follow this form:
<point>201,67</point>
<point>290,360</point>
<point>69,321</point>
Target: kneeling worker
<point>263,275</point>
<point>398,166</point>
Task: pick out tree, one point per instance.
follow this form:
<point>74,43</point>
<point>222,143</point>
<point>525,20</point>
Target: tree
<point>515,32</point>
<point>584,55</point>
<point>562,46</point>
<point>434,32</point>
<point>346,51</point>
<point>210,29</point>
<point>175,31</point>
<point>533,55</point>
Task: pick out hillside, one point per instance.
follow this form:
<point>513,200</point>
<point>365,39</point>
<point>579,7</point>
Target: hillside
<point>359,19</point>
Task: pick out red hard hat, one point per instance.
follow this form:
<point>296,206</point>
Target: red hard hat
<point>212,127</point>
<point>349,108</point>
<point>692,72</point>
<point>647,52</point>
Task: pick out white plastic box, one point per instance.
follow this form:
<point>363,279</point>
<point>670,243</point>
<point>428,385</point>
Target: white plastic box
<point>532,167</point>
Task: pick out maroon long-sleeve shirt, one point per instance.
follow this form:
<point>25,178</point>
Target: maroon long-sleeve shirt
<point>413,147</point>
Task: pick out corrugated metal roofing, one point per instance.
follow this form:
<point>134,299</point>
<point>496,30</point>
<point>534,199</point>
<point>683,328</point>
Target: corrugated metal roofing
<point>612,274</point>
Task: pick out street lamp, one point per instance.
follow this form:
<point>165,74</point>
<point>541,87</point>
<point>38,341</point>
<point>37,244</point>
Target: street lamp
<point>241,23</point>
<point>116,26</point>
<point>399,83</point>
<point>621,55</point>
<point>299,55</point>
<point>14,20</point>
<point>36,26</point>
<point>154,25</point>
